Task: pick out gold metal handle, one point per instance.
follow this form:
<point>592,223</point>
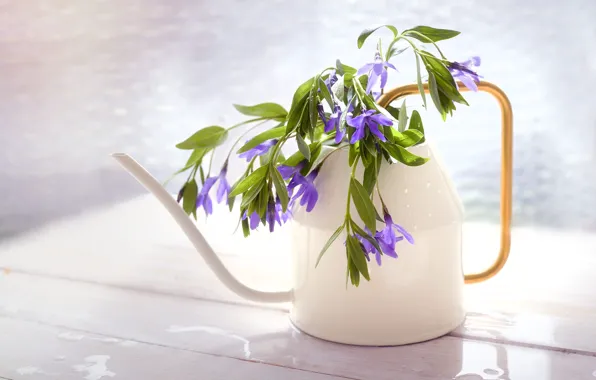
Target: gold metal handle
<point>506,167</point>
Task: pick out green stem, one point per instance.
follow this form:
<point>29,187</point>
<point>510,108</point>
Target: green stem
<point>428,39</point>
<point>349,194</point>
<point>242,136</point>
<point>247,122</point>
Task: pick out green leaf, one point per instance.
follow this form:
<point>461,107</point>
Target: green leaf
<point>298,104</point>
<point>202,174</point>
<point>251,195</point>
<point>326,93</point>
<point>353,271</point>
<point>295,115</point>
<point>189,200</point>
<point>404,156</point>
<point>443,77</point>
<point>269,134</point>
<point>231,201</point>
<point>367,32</point>
<point>329,242</point>
<point>357,255</point>
<point>344,70</point>
<point>195,157</point>
<point>303,147</point>
<point>369,178</point>
<point>301,92</point>
<point>250,181</point>
<point>403,117</point>
<point>264,110</point>
<point>434,93</point>
<point>245,227</point>
<point>208,137</point>
<point>352,154</point>
<point>363,204</point>
<point>280,189</point>
<point>431,34</point>
<point>408,138</point>
<point>419,80</point>
<point>416,125</point>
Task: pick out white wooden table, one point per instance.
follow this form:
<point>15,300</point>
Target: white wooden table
<point>119,293</point>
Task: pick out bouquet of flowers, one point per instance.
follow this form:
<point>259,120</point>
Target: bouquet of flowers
<point>336,108</point>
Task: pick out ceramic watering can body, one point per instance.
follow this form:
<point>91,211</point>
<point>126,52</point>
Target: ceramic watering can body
<point>413,298</point>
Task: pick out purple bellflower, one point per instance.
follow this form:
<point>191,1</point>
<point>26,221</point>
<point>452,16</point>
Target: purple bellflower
<point>288,172</point>
<point>334,123</point>
<point>463,72</point>
<point>331,79</point>
<point>203,199</point>
<point>258,150</point>
<point>307,192</point>
<point>387,237</point>
<point>223,189</point>
<point>369,118</point>
<point>274,214</point>
<point>376,70</point>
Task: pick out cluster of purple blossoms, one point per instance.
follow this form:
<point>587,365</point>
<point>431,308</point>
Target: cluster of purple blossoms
<point>386,238</point>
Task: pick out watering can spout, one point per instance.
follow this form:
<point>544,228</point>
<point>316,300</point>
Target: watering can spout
<point>195,236</point>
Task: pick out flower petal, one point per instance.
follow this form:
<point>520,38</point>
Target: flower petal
<point>468,82</point>
<point>383,78</point>
<point>374,129</point>
<point>365,69</point>
<point>358,135</point>
<point>405,233</point>
<point>388,64</point>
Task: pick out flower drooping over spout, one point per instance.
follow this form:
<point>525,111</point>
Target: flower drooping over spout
<point>463,71</point>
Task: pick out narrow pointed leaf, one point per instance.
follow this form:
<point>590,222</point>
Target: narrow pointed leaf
<point>280,189</point>
<point>208,137</point>
<point>328,243</point>
<point>269,134</point>
<point>416,125</point>
<point>303,147</point>
<point>363,204</point>
<point>250,181</point>
<point>431,34</point>
<point>189,200</point>
<point>403,117</point>
<point>367,32</point>
<point>357,256</point>
<point>325,92</point>
<point>265,110</point>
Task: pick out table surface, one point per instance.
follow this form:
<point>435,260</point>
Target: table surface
<point>118,292</point>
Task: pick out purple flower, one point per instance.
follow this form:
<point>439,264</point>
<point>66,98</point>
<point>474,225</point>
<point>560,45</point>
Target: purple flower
<point>203,199</point>
<point>223,189</point>
<point>307,189</point>
<point>368,246</point>
<point>387,237</point>
<point>288,172</point>
<point>334,123</point>
<point>330,81</point>
<point>274,214</point>
<point>369,118</point>
<point>258,150</point>
<point>376,70</point>
<point>463,71</point>
<point>254,219</point>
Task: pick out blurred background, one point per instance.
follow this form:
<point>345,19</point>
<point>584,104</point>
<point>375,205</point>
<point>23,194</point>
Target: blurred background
<point>82,79</point>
